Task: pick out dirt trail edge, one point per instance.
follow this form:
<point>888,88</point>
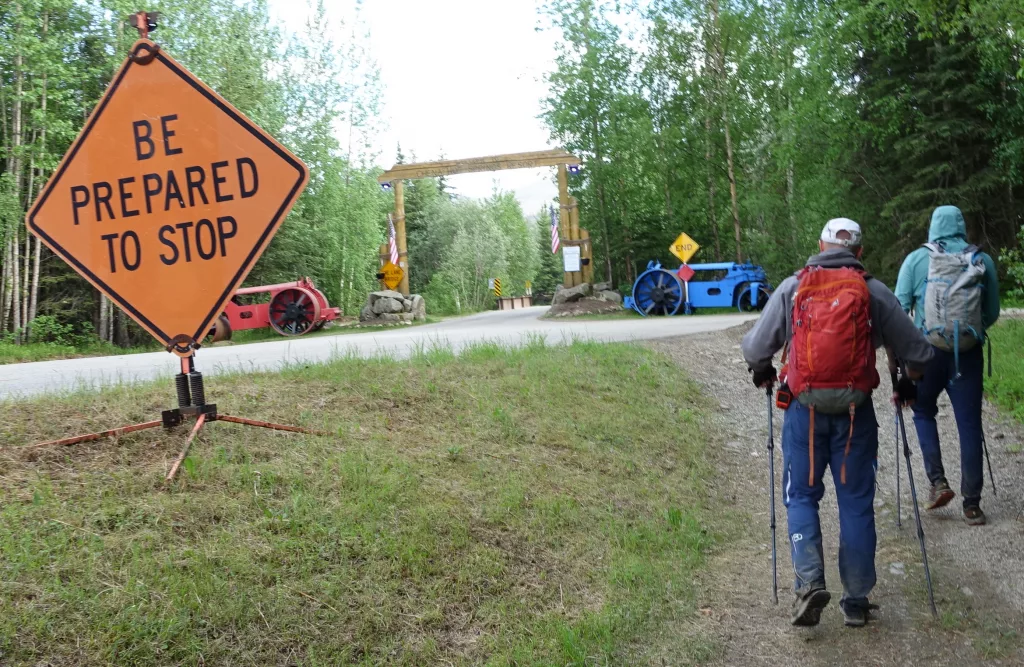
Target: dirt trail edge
<point>978,572</point>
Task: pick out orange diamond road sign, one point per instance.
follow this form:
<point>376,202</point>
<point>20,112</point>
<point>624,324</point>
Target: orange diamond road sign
<point>167,197</point>
<point>392,275</point>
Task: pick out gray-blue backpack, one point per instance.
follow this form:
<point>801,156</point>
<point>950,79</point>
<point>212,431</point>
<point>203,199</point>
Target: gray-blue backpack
<point>953,298</point>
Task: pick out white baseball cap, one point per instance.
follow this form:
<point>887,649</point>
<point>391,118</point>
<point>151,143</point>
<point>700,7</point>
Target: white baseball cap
<point>830,234</point>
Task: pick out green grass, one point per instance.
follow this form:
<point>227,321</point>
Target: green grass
<point>16,354</point>
<point>1006,386</point>
<point>530,507</point>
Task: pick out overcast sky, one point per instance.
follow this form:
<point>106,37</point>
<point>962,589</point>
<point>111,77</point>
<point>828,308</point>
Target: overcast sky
<point>462,77</point>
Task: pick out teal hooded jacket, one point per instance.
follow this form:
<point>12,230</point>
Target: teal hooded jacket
<point>948,230</point>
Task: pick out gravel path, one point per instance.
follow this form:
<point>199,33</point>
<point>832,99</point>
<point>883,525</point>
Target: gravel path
<point>978,572</point>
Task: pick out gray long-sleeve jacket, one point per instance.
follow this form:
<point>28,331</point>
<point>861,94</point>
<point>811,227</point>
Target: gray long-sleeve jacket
<point>890,325</point>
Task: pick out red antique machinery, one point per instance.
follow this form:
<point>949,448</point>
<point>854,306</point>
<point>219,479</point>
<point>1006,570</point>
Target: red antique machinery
<point>294,309</point>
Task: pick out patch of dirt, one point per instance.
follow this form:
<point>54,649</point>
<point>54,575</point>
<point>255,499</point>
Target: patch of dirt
<point>585,306</point>
<point>978,573</point>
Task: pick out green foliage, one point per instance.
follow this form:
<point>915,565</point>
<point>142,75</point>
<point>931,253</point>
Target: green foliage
<point>874,111</point>
<point>1006,386</point>
<point>1012,261</point>
<point>464,243</point>
<point>301,88</point>
<point>549,273</point>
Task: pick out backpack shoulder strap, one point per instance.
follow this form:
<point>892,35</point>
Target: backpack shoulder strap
<point>933,247</point>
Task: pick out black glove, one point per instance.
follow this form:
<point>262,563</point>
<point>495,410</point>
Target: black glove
<point>906,391</point>
<point>765,378</point>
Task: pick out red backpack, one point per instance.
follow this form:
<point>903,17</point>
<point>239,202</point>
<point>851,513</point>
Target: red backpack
<point>831,366</point>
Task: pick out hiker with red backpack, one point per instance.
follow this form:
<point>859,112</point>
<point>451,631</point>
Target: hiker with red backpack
<point>953,291</point>
<point>830,318</point>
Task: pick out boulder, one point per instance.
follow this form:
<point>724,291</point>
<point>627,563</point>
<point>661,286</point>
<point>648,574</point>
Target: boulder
<point>389,318</point>
<point>570,294</point>
<point>366,314</point>
<point>405,317</point>
<point>608,295</point>
<point>602,287</point>
<point>419,308</point>
<point>384,294</point>
<point>384,305</point>
<point>407,305</point>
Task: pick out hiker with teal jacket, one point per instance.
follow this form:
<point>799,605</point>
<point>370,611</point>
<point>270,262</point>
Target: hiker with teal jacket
<point>953,291</point>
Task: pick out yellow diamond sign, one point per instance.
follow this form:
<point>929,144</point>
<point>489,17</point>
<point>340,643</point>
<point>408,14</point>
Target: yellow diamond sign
<point>392,275</point>
<point>684,248</point>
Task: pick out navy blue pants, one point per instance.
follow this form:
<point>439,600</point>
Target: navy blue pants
<point>965,395</point>
<point>802,490</point>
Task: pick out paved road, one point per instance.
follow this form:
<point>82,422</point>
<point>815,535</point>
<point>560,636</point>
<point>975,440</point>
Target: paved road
<point>511,327</point>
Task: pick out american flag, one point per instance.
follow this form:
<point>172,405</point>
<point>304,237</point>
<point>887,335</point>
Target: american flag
<point>554,231</point>
<point>392,243</point>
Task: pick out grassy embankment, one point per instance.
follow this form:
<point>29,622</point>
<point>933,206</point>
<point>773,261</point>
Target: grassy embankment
<point>534,506</point>
<point>1006,386</point>
<point>16,354</point>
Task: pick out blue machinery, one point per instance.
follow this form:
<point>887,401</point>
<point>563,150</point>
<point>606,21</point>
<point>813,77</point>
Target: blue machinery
<point>658,291</point>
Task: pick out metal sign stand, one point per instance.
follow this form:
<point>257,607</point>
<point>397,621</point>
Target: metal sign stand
<point>188,383</point>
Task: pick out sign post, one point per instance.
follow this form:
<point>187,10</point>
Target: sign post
<point>164,202</point>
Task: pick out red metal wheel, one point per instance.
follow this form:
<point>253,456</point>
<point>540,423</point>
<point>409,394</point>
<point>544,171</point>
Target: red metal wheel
<point>294,311</point>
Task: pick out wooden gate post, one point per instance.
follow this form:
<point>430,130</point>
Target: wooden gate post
<point>403,255</point>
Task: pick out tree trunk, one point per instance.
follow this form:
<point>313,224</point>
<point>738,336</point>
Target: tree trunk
<point>26,279</point>
<point>5,284</point>
<point>104,318</point>
<point>14,166</point>
<point>34,287</point>
<point>712,217</point>
<point>26,269</point>
<point>15,288</point>
<point>724,102</point>
<point>34,299</point>
<point>121,337</point>
<point>668,176</point>
<point>604,234</point>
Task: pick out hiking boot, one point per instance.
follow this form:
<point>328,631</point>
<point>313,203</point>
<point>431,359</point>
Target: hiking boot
<point>973,516</point>
<point>857,615</point>
<point>940,495</point>
<point>807,608</point>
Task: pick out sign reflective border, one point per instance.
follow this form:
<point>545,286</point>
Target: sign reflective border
<point>167,197</point>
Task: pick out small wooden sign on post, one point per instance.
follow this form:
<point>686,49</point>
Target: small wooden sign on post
<point>392,275</point>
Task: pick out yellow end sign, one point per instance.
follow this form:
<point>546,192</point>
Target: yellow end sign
<point>167,198</point>
<point>392,275</point>
<point>684,248</point>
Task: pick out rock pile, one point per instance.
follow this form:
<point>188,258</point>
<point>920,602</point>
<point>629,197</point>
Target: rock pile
<point>388,307</point>
<point>585,299</point>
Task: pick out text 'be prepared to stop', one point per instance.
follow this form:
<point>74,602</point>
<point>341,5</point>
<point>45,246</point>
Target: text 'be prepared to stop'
<point>184,188</point>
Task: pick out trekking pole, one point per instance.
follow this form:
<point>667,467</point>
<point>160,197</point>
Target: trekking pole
<point>896,432</point>
<point>771,494</point>
<point>991,477</point>
<point>913,495</point>
<point>984,443</point>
